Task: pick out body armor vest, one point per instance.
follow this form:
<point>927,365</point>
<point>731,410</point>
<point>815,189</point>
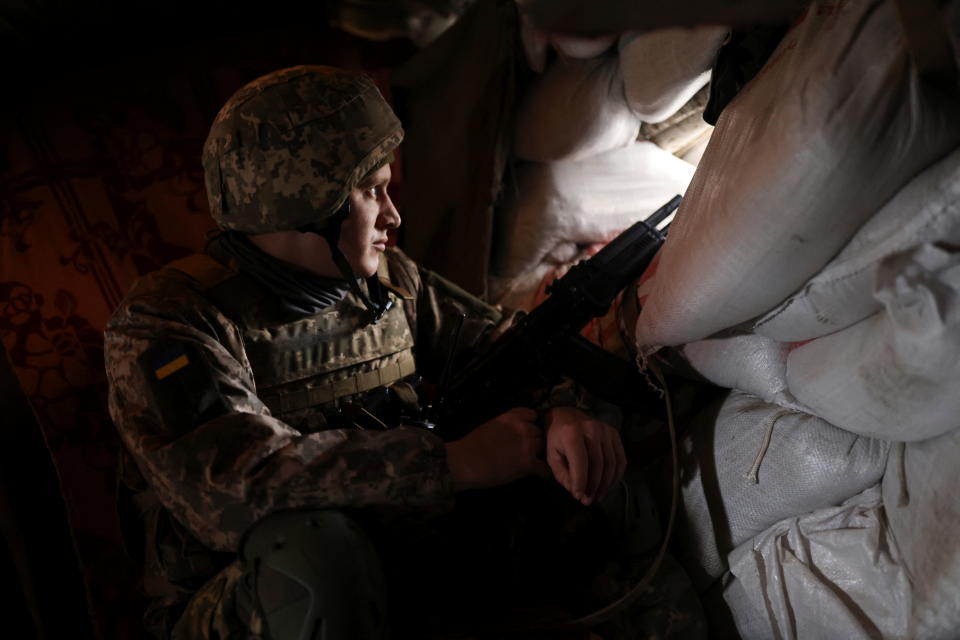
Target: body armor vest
<point>305,364</point>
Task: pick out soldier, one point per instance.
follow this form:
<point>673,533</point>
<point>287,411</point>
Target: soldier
<point>251,384</point>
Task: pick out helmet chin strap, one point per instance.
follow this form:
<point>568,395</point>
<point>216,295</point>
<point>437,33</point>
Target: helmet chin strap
<point>377,302</point>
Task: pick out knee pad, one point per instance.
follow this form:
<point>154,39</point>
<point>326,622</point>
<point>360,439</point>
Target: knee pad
<point>315,575</point>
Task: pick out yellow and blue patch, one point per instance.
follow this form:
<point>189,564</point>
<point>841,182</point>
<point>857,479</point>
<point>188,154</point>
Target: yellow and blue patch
<point>182,388</point>
<point>170,361</point>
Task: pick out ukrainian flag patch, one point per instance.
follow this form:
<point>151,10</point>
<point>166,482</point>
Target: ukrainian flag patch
<point>170,361</point>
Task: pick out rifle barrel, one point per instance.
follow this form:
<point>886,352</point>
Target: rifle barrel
<point>661,214</point>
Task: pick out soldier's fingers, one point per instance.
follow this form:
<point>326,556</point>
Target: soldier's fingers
<point>609,466</point>
<point>560,468</point>
<point>575,451</point>
<point>541,443</point>
<point>621,457</point>
<point>595,475</point>
<point>531,441</point>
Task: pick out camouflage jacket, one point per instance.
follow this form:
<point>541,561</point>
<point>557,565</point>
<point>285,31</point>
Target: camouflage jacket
<point>203,464</point>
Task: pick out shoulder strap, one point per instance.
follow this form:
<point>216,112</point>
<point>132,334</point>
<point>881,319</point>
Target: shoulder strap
<point>204,270</point>
<point>383,275</point>
<point>229,290</point>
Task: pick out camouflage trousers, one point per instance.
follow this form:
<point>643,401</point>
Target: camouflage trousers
<point>221,609</point>
<point>514,562</point>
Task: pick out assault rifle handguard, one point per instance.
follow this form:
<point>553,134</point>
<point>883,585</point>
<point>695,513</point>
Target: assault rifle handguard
<point>545,345</point>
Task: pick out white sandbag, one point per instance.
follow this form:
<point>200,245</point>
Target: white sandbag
<point>581,47</point>
<point>833,573</point>
<point>662,69</point>
<point>920,493</point>
<point>751,363</point>
<point>750,464</point>
<point>694,154</point>
<point>926,210</point>
<point>576,109</point>
<point>535,42</point>
<point>896,374</point>
<point>833,125</point>
<point>559,205</point>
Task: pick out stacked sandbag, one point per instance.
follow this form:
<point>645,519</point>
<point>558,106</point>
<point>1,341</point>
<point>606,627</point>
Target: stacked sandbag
<point>575,110</point>
<point>871,342</point>
<point>581,47</point>
<point>538,45</point>
<point>752,363</point>
<point>588,164</point>
<point>591,98</point>
<point>749,463</point>
<point>871,345</point>
<point>559,205</point>
<point>896,374</point>
<point>926,210</point>
<point>923,507</point>
<point>876,334</point>
<point>663,69</point>
<point>685,134</point>
<point>832,573</point>
<point>835,123</point>
<point>836,146</point>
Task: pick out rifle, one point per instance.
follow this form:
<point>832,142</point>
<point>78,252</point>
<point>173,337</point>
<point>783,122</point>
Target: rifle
<point>545,345</point>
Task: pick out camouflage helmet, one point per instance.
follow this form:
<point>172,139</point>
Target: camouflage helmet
<point>286,150</point>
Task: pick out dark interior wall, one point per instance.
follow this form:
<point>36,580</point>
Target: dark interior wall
<point>38,35</point>
<point>101,129</point>
<point>42,584</point>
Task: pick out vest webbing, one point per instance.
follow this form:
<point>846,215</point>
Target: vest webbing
<point>212,277</point>
<point>282,401</point>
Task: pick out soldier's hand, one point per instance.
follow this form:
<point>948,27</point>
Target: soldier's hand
<point>499,451</point>
<point>585,455</point>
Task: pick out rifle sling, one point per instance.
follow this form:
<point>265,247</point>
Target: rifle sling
<point>601,373</point>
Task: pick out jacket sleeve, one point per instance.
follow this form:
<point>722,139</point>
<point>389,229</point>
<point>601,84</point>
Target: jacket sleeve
<point>433,310</point>
<point>183,398</point>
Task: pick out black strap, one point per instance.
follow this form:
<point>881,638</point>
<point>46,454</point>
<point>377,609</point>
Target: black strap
<point>927,40</point>
<point>738,61</point>
<point>375,299</point>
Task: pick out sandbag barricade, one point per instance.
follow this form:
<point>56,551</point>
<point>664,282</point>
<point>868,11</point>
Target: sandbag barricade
<point>663,69</point>
<point>872,342</point>
<point>560,205</point>
<point>927,209</point>
<point>749,464</point>
<point>895,374</point>
<point>747,362</point>
<point>920,494</point>
<point>590,98</point>
<point>587,165</point>
<point>833,573</point>
<point>835,123</point>
<point>574,110</point>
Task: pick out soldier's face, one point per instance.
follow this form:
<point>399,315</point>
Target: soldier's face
<point>363,236</point>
